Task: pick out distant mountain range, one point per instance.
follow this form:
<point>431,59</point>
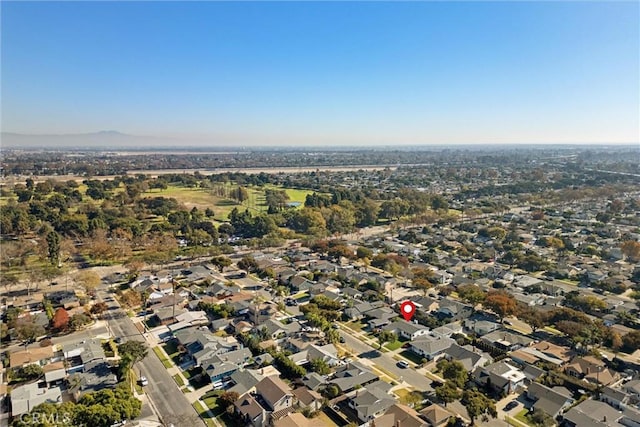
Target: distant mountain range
<point>105,140</point>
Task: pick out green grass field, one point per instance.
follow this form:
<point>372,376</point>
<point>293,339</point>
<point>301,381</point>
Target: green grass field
<point>203,198</point>
<point>166,362</point>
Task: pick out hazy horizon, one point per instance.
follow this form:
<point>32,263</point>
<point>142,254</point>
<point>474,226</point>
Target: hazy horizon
<point>296,74</point>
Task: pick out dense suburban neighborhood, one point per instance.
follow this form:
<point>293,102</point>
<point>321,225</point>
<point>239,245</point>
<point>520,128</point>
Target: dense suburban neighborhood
<point>526,312</point>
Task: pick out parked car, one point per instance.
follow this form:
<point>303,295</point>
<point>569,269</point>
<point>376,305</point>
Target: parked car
<point>143,381</point>
<point>402,364</point>
<point>509,406</point>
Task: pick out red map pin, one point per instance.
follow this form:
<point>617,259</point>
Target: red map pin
<point>408,309</point>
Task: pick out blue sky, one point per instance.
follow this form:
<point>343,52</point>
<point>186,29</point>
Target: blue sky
<point>334,73</point>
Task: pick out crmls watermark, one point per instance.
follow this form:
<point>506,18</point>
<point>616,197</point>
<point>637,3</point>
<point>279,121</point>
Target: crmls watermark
<point>63,419</point>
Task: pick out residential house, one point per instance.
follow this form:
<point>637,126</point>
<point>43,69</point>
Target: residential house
<point>426,304</point>
<point>454,310</point>
<point>407,330</point>
<point>372,401</point>
<point>543,351</point>
<point>590,369</point>
<point>245,380</point>
<point>275,329</point>
<point>167,315</point>
<point>80,353</point>
<point>399,415</point>
<point>252,413</point>
<point>481,327</point>
<point>30,356</point>
<point>26,397</point>
<point>504,341</point>
<point>308,399</point>
<point>615,397</point>
<point>64,299</point>
<point>436,415</point>
<point>379,317</point>
<point>313,381</point>
<point>220,366</point>
<point>500,376</point>
<point>54,373</point>
<point>296,419</point>
<point>468,356</point>
<point>97,375</point>
<point>594,413</point>
<point>327,352</point>
<point>199,343</point>
<point>448,330</point>
<point>551,401</point>
<point>358,311</point>
<point>351,376</point>
<point>189,319</point>
<point>277,396</point>
<point>632,388</point>
<point>431,347</point>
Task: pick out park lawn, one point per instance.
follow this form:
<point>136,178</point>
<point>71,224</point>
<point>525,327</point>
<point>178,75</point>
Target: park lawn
<point>166,362</point>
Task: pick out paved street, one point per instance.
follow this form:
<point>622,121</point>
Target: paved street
<point>162,390</point>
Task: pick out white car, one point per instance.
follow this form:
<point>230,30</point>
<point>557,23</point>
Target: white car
<point>143,381</point>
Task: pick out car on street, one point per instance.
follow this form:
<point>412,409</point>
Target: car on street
<point>143,381</point>
<point>402,364</point>
<point>509,406</point>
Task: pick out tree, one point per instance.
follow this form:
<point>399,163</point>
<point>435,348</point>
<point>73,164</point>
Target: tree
<point>631,341</point>
<point>99,308</point>
<point>453,371</point>
<point>78,320</point>
<point>248,263</point>
<point>631,249</point>
<point>363,252</point>
<point>478,404</point>
<point>501,303</point>
<point>89,280</point>
<point>29,331</point>
<point>227,399</point>
<point>53,247</point>
<point>536,319</point>
<point>422,284</point>
<point>471,294</point>
<point>320,366</point>
<point>448,392</point>
<point>221,262</point>
<point>130,353</point>
<point>386,336</point>
<point>60,321</point>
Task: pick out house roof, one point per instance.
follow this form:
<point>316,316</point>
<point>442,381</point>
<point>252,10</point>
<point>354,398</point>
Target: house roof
<point>306,396</point>
<point>313,380</point>
<point>431,345</point>
<point>371,401</point>
<point>30,355</point>
<point>296,419</point>
<point>245,380</point>
<point>435,414</point>
<point>406,327</point>
<point>26,397</point>
<point>248,406</point>
<point>468,358</point>
<point>593,413</point>
<point>272,389</point>
<point>400,415</point>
